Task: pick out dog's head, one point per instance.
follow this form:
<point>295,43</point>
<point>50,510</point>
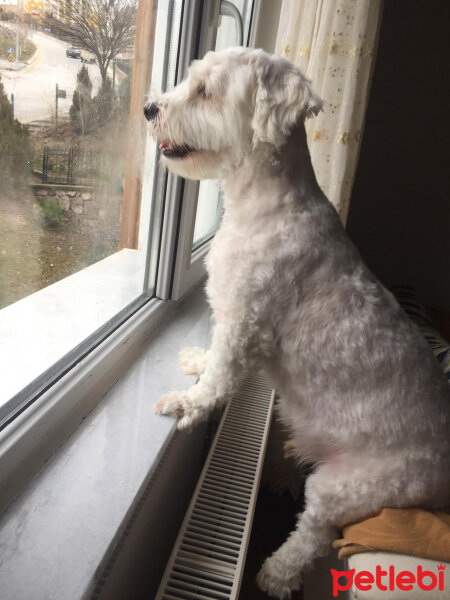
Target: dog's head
<point>230,103</point>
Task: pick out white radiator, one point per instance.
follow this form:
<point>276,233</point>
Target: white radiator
<point>208,557</point>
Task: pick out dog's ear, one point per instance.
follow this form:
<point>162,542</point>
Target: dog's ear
<point>283,98</point>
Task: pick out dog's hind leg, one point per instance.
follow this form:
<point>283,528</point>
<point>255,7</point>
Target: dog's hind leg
<point>336,495</point>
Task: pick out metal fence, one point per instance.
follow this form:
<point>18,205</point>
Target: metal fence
<point>73,166</point>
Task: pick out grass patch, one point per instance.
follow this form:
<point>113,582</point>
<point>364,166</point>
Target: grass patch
<point>52,212</point>
<point>35,254</point>
<point>8,38</point>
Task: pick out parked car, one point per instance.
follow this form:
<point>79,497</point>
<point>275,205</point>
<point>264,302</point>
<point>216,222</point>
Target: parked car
<point>73,53</point>
<point>87,57</point>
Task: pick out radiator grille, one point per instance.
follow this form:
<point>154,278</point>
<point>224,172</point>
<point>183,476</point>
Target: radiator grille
<point>208,557</point>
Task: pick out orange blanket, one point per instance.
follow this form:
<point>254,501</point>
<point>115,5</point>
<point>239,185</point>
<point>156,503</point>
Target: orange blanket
<point>410,531</point>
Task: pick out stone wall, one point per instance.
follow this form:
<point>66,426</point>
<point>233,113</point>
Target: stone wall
<point>96,213</point>
<point>68,200</point>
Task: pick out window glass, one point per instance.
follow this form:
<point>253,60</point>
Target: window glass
<point>77,176</point>
<point>64,162</point>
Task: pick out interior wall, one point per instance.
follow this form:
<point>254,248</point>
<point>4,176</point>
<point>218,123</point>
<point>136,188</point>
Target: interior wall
<point>400,209</point>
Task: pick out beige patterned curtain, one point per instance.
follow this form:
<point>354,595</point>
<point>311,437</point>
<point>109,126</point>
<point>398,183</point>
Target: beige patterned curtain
<point>334,43</point>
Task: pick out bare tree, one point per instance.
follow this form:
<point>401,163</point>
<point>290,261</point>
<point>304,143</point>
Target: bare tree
<point>103,27</point>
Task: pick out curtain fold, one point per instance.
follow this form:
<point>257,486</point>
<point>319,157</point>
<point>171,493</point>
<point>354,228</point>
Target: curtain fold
<point>334,44</point>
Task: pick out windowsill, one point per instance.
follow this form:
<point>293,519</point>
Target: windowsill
<point>55,536</point>
<point>39,330</point>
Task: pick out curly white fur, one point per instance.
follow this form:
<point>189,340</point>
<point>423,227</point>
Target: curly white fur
<point>193,360</point>
<point>362,394</point>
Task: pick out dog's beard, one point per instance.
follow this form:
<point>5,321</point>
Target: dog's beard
<point>188,157</point>
<point>171,150</point>
<point>198,164</point>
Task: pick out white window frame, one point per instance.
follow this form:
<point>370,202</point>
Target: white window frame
<point>189,265</point>
<point>179,268</point>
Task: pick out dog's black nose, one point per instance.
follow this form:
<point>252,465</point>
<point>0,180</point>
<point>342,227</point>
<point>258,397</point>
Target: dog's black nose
<point>150,111</point>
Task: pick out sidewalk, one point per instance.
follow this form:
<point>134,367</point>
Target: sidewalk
<point>7,66</point>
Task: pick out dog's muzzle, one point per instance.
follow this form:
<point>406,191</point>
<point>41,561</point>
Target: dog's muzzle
<point>169,149</point>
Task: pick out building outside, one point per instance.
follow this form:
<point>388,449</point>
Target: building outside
<point>40,7</point>
<point>9,5</point>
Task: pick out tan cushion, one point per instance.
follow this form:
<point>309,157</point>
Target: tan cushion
<point>368,561</point>
<point>411,531</point>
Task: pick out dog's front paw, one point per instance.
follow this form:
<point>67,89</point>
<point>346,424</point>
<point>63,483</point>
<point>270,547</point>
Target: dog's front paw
<point>276,578</point>
<point>193,360</point>
<point>173,403</point>
<point>180,406</point>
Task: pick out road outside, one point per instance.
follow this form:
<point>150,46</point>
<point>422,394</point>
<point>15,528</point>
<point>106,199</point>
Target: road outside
<point>34,86</point>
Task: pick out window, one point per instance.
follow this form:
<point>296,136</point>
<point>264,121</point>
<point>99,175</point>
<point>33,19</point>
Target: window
<point>73,263</point>
<point>93,234</point>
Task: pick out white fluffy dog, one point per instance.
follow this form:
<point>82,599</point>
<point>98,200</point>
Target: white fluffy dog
<point>363,396</point>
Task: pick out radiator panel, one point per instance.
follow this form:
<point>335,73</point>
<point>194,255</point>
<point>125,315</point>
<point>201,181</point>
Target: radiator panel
<point>208,557</point>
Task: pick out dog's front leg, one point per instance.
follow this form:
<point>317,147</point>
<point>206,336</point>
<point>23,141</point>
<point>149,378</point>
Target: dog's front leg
<point>229,359</point>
